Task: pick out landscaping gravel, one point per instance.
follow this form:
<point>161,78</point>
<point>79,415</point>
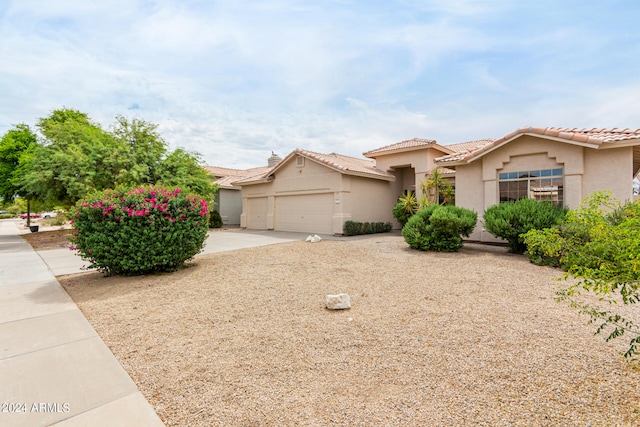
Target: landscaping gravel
<point>470,338</point>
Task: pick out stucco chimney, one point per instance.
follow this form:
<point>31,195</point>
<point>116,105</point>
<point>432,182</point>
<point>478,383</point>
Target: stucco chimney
<point>273,160</point>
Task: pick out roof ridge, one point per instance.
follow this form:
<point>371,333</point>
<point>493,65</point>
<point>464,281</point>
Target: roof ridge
<point>409,143</point>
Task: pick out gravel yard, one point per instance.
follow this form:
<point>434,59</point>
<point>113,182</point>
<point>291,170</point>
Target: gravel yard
<point>471,338</point>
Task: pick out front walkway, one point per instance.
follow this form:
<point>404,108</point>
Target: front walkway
<point>54,368</point>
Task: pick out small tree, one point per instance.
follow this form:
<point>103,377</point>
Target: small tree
<point>138,231</point>
<point>439,228</point>
<point>510,220</point>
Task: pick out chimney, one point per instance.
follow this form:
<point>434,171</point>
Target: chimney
<point>273,160</point>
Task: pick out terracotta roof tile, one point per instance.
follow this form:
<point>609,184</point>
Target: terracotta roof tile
<point>401,146</point>
<point>346,164</point>
<point>593,136</point>
<point>464,148</point>
<point>225,177</point>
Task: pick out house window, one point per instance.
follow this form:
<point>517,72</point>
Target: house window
<point>542,185</point>
<point>300,161</point>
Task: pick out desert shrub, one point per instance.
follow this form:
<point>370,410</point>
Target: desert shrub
<point>602,254</point>
<point>354,228</point>
<point>439,228</point>
<point>510,220</point>
<point>141,230</point>
<point>215,220</point>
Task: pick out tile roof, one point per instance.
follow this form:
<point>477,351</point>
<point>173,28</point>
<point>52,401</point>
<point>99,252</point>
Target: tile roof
<point>465,147</point>
<point>462,149</point>
<point>225,177</point>
<point>593,136</point>
<point>401,146</point>
<point>346,164</point>
<point>339,162</point>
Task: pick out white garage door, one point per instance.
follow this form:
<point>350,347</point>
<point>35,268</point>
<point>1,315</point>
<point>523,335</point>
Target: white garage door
<point>310,213</point>
<point>257,213</point>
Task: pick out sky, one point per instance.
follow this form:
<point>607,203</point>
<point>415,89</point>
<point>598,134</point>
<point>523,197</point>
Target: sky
<point>236,80</point>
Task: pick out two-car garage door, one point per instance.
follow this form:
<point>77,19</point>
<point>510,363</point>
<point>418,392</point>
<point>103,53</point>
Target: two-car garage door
<point>311,213</point>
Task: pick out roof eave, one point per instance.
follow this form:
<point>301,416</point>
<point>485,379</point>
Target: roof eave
<point>252,182</point>
<point>619,144</point>
<point>389,178</point>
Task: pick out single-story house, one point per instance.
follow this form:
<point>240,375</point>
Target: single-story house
<point>561,165</point>
<point>316,193</point>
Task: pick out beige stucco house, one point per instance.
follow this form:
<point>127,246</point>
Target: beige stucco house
<point>316,193</point>
<point>560,165</point>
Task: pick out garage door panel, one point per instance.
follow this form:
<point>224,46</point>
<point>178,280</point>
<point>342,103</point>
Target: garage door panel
<point>257,213</point>
<point>307,213</point>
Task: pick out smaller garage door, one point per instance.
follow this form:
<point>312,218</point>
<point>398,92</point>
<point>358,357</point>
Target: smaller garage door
<point>257,213</point>
<point>309,213</point>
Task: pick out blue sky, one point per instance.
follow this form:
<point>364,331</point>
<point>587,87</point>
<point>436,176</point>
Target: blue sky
<point>235,80</point>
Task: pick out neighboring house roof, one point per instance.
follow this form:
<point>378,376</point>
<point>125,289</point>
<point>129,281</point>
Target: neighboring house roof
<point>594,138</point>
<point>465,147</point>
<point>225,177</point>
<point>408,145</point>
<point>344,164</point>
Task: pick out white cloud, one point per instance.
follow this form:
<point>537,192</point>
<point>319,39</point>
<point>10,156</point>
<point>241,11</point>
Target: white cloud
<point>235,80</point>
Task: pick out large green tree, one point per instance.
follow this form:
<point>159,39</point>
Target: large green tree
<point>77,157</point>
<point>144,148</point>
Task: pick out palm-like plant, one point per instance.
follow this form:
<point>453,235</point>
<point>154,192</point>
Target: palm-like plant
<point>435,186</point>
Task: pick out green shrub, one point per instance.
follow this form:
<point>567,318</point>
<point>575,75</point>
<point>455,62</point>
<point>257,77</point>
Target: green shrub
<point>510,220</point>
<point>138,231</point>
<point>439,228</point>
<point>601,252</point>
<point>215,220</point>
<point>354,228</point>
<point>554,246</point>
<point>6,216</point>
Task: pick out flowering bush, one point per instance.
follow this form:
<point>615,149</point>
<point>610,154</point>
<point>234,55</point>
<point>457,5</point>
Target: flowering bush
<point>140,230</point>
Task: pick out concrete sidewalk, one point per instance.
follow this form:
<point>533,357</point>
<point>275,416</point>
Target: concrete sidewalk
<point>54,368</point>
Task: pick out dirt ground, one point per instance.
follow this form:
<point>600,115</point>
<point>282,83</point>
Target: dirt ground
<point>43,240</point>
<point>470,338</point>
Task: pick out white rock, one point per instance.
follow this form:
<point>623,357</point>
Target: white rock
<point>338,302</point>
<point>315,239</point>
<point>308,239</point>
